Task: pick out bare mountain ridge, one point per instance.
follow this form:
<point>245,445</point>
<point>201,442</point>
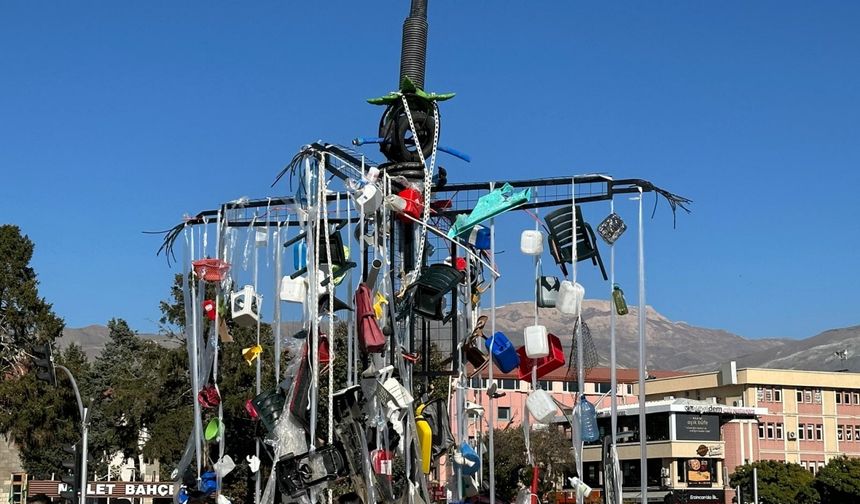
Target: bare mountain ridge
<point>670,345</point>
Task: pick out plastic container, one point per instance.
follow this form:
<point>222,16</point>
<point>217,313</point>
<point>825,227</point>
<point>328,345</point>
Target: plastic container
<point>588,421</point>
<point>531,242</point>
<point>618,300</point>
<point>368,199</point>
<point>541,406</point>
<point>479,238</point>
<point>209,309</point>
<point>545,365</point>
<point>300,255</point>
<point>414,203</point>
<point>503,351</point>
<point>471,461</point>
<point>211,270</point>
<point>536,342</point>
<point>425,442</point>
<point>246,306</point>
<point>570,296</point>
<point>294,290</point>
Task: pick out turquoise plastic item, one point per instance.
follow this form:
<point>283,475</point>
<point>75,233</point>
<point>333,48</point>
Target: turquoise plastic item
<point>488,206</point>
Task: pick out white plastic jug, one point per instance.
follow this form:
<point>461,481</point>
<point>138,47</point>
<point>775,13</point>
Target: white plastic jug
<point>368,198</point>
<point>536,341</point>
<point>570,296</point>
<point>294,290</point>
<point>541,406</point>
<point>531,242</point>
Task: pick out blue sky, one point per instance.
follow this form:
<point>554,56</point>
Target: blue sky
<point>117,118</point>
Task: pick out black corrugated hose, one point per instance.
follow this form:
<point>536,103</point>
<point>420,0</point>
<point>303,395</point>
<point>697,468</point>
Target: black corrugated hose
<point>413,53</point>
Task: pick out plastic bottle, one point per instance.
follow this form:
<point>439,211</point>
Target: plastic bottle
<point>588,421</point>
<point>618,298</point>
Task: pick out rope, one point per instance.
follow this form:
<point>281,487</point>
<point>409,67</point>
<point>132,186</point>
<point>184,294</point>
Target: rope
<point>322,184</point>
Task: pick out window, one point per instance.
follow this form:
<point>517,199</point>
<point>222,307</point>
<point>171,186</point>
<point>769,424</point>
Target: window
<point>838,397</point>
<point>800,396</point>
<point>809,431</point>
<point>777,395</point>
<point>761,431</point>
<point>571,386</point>
<point>812,467</point>
<point>770,431</point>
<point>856,398</point>
<point>839,432</point>
<point>816,396</point>
<point>807,396</point>
<point>508,384</point>
<point>819,432</point>
<point>857,432</point>
<point>603,387</point>
<point>768,395</point>
<point>801,429</point>
<point>846,398</point>
<point>477,382</point>
<point>544,385</point>
<point>849,433</point>
<point>778,432</point>
<point>504,413</point>
<point>17,491</point>
<point>629,387</point>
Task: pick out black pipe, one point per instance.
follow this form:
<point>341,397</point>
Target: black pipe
<point>413,52</point>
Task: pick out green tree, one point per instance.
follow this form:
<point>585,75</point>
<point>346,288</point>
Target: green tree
<point>778,483</point>
<point>839,480</point>
<point>37,416</point>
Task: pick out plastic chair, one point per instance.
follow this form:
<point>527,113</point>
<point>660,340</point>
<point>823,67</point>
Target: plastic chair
<point>431,287</point>
<point>561,235</point>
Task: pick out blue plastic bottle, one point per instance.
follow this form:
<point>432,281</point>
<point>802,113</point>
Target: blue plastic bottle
<point>588,421</point>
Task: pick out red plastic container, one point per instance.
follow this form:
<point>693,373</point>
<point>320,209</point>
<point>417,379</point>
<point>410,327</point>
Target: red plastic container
<point>209,309</point>
<point>414,203</point>
<point>551,362</point>
<point>211,270</point>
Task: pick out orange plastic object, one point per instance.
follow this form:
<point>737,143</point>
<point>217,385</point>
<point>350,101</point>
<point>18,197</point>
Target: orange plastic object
<point>211,270</point>
<point>414,203</point>
<point>209,309</point>
<point>551,362</point>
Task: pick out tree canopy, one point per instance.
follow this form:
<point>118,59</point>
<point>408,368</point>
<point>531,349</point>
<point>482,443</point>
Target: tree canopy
<point>839,480</point>
<point>778,483</point>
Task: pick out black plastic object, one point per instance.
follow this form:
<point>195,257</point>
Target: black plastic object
<point>547,291</point>
<point>298,473</point>
<point>398,144</point>
<point>338,304</point>
<point>299,401</point>
<point>339,260</point>
<point>269,406</point>
<point>349,425</point>
<point>471,349</point>
<point>561,237</point>
<point>436,414</point>
<point>432,285</point>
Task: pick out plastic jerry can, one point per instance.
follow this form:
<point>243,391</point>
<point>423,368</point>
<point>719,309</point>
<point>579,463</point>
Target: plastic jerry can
<point>414,203</point>
<point>503,351</point>
<point>479,238</point>
<point>570,296</point>
<point>618,300</point>
<point>368,198</point>
<point>536,342</point>
<point>470,460</point>
<point>531,242</point>
<point>294,290</point>
<point>541,406</point>
<point>246,306</point>
<point>425,442</point>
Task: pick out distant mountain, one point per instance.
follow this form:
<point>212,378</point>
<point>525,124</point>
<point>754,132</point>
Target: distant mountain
<point>92,339</point>
<point>833,350</point>
<point>670,345</point>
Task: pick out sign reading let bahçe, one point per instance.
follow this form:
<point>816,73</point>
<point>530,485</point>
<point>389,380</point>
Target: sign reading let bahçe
<point>108,488</point>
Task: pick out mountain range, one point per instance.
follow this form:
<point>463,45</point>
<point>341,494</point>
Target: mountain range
<point>670,345</point>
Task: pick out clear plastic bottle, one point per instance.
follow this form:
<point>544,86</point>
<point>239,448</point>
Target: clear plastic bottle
<point>588,421</point>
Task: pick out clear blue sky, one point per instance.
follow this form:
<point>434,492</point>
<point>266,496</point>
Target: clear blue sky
<point>119,117</point>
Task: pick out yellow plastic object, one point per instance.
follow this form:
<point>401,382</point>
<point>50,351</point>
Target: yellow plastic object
<point>251,353</point>
<point>378,301</point>
<point>425,440</point>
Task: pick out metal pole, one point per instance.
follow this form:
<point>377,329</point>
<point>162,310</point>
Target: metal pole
<point>643,446</point>
<point>491,419</point>
<point>755,485</point>
<point>84,412</point>
<point>84,454</point>
<point>612,358</point>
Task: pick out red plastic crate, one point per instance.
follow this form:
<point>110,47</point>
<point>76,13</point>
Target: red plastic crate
<point>211,270</point>
<point>551,362</point>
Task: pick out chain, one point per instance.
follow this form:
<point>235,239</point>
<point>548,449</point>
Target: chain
<point>428,172</point>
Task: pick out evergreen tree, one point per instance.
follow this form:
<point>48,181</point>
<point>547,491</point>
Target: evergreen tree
<point>778,483</point>
<point>839,480</point>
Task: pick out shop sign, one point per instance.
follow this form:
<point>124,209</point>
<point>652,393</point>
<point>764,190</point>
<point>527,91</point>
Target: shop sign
<point>697,497</point>
<point>699,472</point>
<point>108,488</point>
<point>691,427</point>
<point>711,450</point>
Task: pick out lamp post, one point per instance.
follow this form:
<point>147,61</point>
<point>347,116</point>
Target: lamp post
<point>84,412</point>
